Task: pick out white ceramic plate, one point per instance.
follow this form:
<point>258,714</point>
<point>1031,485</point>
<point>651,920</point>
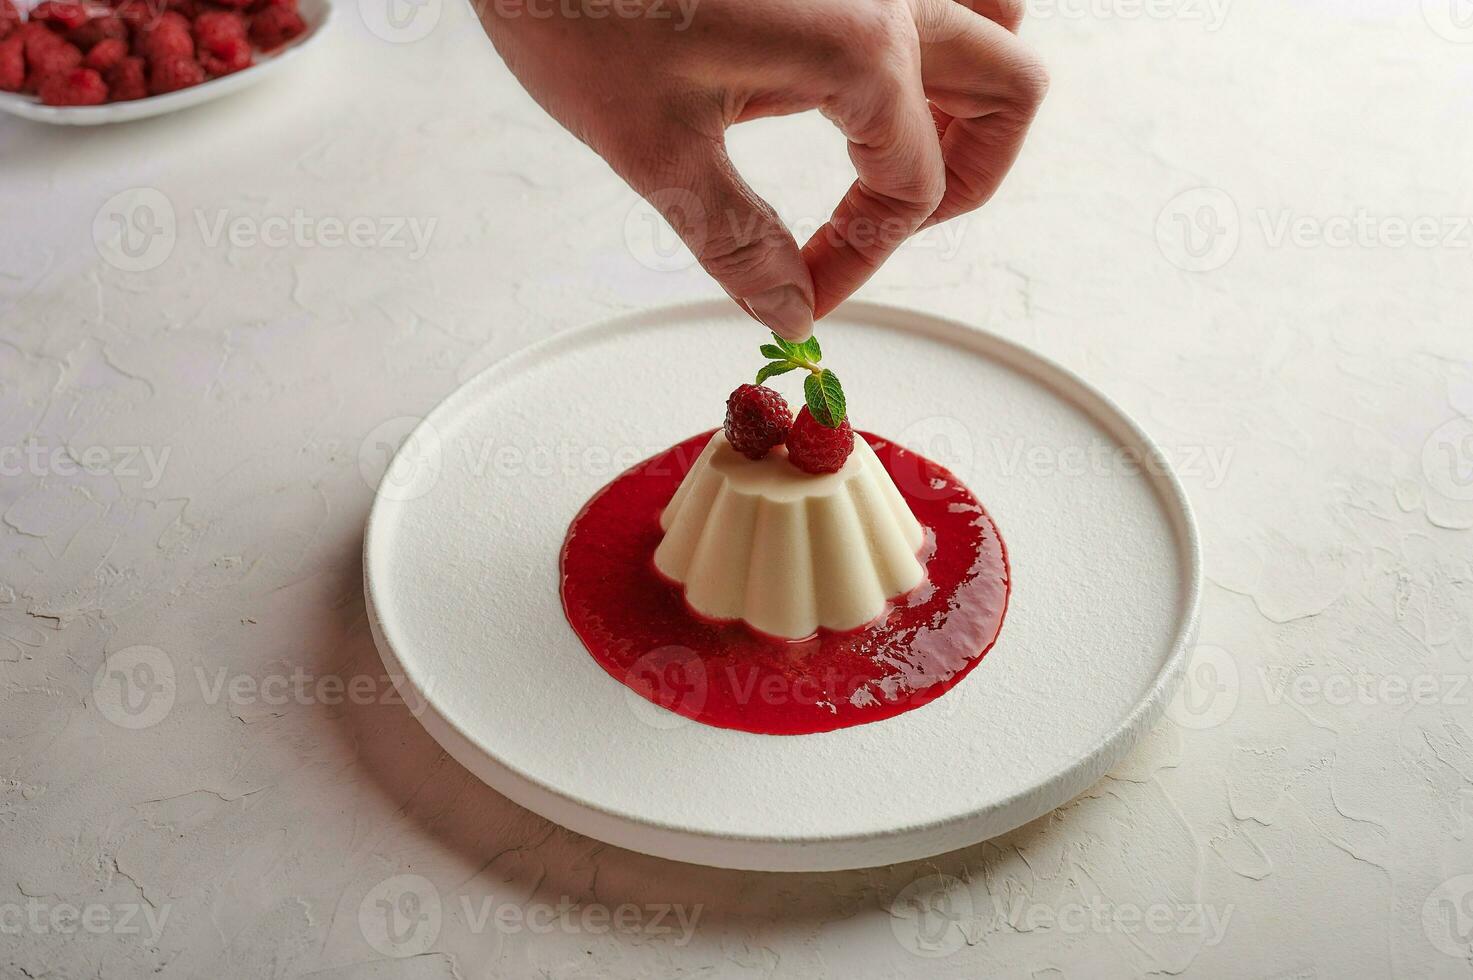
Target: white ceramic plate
<point>461,576</point>
<point>315,12</point>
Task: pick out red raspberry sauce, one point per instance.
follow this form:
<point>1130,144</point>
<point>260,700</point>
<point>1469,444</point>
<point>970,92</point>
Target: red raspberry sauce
<point>638,627</point>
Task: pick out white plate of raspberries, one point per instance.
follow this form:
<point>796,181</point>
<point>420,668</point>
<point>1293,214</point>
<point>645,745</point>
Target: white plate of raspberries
<point>88,62</point>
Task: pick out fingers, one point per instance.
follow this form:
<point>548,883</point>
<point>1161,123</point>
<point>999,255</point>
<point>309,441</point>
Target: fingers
<point>893,144</point>
<point>733,233</point>
<point>986,87</point>
<point>935,111</point>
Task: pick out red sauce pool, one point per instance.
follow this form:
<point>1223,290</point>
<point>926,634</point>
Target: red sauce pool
<point>638,627</point>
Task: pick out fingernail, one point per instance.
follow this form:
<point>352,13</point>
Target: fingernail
<point>784,310</point>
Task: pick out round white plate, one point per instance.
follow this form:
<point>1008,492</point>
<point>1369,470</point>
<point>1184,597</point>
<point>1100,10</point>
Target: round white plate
<point>315,12</point>
<point>461,576</point>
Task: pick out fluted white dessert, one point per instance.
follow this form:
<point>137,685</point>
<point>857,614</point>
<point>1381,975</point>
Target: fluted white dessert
<point>789,551</point>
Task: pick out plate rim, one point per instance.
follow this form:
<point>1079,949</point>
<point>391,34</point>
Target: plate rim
<point>785,852</point>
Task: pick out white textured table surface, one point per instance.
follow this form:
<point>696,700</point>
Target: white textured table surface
<point>191,426</point>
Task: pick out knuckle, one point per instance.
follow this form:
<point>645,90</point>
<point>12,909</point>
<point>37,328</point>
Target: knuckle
<point>914,200</point>
<point>887,221</point>
<point>926,198</point>
<point>867,31</point>
<point>734,258</point>
<point>1028,85</point>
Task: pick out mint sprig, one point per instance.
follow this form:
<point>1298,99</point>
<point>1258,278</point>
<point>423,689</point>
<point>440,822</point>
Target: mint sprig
<point>821,389</point>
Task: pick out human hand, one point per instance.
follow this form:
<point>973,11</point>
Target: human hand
<point>934,96</point>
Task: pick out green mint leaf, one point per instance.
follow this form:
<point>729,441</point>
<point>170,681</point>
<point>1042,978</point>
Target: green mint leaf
<point>825,398</point>
<point>813,395</point>
<point>788,348</point>
<point>774,369</point>
<point>774,352</point>
<point>811,350</point>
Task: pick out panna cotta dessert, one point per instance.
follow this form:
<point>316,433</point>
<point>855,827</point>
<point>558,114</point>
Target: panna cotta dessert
<point>786,574</point>
<point>785,551</point>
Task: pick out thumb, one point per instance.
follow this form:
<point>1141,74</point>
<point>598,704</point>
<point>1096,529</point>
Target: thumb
<point>734,234</point>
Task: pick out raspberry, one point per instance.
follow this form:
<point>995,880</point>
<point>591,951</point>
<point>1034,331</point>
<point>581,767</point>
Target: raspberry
<point>173,73</point>
<point>36,33</point>
<point>275,26</point>
<point>165,39</point>
<point>217,25</point>
<point>139,14</point>
<point>225,55</point>
<point>60,15</point>
<point>47,54</point>
<point>815,448</point>
<point>757,419</point>
<point>97,30</point>
<point>126,80</point>
<point>80,86</point>
<point>105,54</point>
<point>9,18</point>
<point>12,63</point>
<point>171,20</point>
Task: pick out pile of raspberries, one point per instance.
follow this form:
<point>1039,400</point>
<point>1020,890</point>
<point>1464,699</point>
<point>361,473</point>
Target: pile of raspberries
<point>88,53</point>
